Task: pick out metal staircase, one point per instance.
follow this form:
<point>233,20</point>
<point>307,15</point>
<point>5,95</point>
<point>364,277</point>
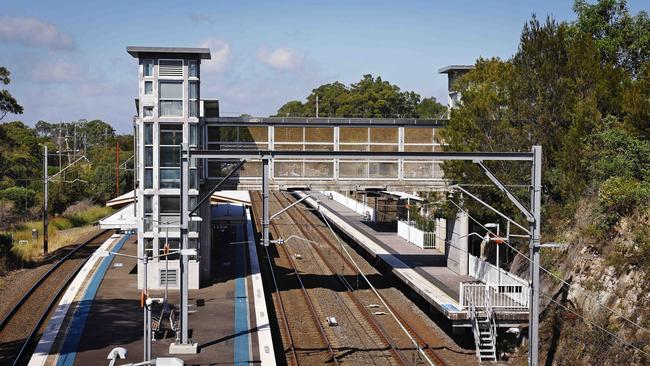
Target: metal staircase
<point>483,327</point>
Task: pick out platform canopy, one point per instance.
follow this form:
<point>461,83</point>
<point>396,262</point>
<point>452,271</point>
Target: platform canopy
<point>124,219</point>
<point>231,196</point>
<point>404,195</point>
<point>122,200</point>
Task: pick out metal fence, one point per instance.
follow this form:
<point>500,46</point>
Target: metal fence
<point>483,296</point>
<point>423,239</point>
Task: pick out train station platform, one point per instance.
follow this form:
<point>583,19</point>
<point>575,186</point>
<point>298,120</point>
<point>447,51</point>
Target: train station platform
<point>228,317</point>
<point>424,271</point>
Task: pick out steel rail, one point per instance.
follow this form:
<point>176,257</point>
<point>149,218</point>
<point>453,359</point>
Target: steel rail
<point>376,327</point>
<point>406,324</point>
<point>32,335</point>
<point>310,304</point>
<point>40,281</point>
<point>277,290</point>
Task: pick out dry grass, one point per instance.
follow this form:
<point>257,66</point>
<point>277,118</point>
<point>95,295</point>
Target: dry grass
<point>63,230</point>
<point>33,250</point>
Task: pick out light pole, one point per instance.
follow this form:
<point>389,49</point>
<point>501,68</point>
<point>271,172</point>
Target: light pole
<point>45,208</point>
<point>146,302</point>
<point>498,248</point>
<point>46,180</point>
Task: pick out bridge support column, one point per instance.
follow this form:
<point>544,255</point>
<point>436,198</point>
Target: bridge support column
<point>265,202</point>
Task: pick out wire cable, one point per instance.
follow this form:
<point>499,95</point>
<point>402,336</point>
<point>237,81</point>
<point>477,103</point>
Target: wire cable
<point>374,290</point>
<point>610,333</point>
<point>552,274</point>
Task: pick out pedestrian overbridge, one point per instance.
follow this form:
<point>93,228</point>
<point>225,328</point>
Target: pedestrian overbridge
<point>322,138</point>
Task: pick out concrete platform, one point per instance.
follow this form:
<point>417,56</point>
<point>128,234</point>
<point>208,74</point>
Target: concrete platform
<point>227,318</point>
<point>424,270</point>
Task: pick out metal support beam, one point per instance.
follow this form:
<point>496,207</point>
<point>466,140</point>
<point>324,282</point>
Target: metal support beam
<point>490,207</point>
<point>270,154</point>
<point>265,202</point>
<point>185,169</point>
<point>288,207</point>
<point>505,190</point>
<point>207,197</point>
<point>535,156</point>
<point>184,347</point>
<point>535,229</point>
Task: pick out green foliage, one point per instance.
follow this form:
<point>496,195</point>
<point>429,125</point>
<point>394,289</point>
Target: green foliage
<point>293,108</point>
<point>370,97</point>
<point>554,92</point>
<point>21,166</point>
<point>8,103</point>
<point>88,216</point>
<point>61,223</point>
<point>619,196</point>
<point>430,108</point>
<point>22,198</point>
<point>20,159</point>
<point>616,152</point>
<point>636,104</point>
<point>622,39</point>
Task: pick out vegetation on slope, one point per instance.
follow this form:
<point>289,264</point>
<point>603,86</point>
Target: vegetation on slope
<point>21,182</point>
<point>581,90</point>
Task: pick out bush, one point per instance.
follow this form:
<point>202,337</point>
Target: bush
<point>22,198</point>
<point>61,223</point>
<point>88,216</point>
<point>80,206</point>
<point>619,196</point>
<point>618,153</point>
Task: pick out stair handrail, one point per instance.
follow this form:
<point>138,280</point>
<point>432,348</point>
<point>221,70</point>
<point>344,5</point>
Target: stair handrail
<point>490,317</point>
<point>474,322</point>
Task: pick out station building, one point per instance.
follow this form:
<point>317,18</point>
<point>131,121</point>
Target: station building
<point>171,112</point>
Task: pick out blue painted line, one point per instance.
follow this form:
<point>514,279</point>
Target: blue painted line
<point>450,307</point>
<point>71,342</point>
<point>241,331</point>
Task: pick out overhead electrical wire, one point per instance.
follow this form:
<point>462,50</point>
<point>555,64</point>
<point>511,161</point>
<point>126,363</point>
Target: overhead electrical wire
<point>506,241</point>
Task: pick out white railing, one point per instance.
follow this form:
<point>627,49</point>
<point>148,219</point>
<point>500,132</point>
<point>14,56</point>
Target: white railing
<point>510,285</point>
<point>483,296</point>
<point>352,204</point>
<point>423,239</point>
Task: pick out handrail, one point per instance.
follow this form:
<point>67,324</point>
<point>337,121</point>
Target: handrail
<point>499,300</point>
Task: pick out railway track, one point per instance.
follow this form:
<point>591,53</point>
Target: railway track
<point>376,341</point>
<point>20,327</point>
<point>411,347</point>
<point>377,337</point>
<point>302,334</point>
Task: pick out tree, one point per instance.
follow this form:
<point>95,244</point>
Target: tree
<point>20,157</point>
<point>7,215</point>
<point>8,103</point>
<point>371,97</point>
<point>622,39</point>
<point>430,108</point>
<point>293,108</point>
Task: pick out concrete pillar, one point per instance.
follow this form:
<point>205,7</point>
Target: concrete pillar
<point>458,247</point>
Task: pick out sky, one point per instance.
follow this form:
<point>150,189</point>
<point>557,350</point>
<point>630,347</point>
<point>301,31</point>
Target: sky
<point>68,59</point>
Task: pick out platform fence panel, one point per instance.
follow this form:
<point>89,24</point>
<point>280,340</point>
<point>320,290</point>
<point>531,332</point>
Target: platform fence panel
<point>483,296</point>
